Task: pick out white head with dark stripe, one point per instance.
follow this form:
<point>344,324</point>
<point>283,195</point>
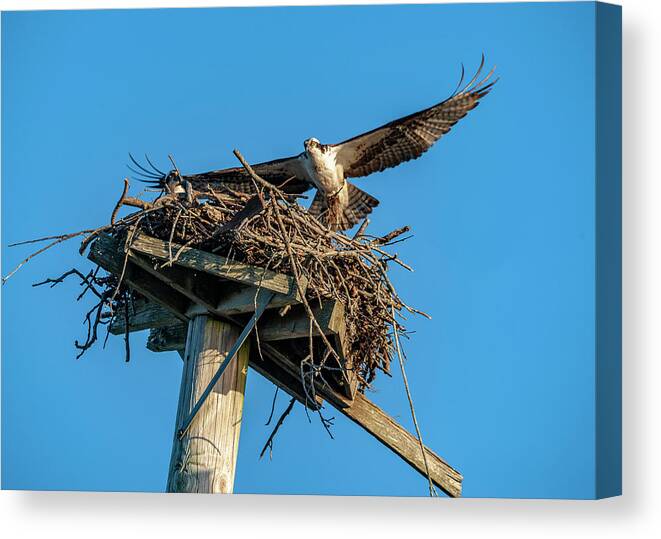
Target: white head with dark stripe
<point>312,145</point>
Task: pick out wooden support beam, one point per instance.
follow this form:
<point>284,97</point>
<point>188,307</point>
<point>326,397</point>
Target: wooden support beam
<point>386,430</point>
<point>203,290</point>
<point>166,339</point>
<point>149,314</point>
<point>272,328</point>
<point>285,372</point>
<point>296,324</point>
<point>144,314</point>
<point>274,373</point>
<point>370,417</point>
<point>104,252</point>
<point>217,265</point>
<point>240,299</point>
<point>204,459</point>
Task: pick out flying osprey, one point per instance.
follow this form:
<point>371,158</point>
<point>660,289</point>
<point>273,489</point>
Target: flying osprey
<point>338,203</point>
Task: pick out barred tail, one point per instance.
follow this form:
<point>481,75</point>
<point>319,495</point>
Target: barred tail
<point>341,212</point>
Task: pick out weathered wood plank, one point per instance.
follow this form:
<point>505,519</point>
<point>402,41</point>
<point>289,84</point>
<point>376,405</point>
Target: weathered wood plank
<point>275,328</point>
<point>199,288</point>
<point>166,339</point>
<point>361,410</point>
<point>364,413</point>
<point>386,430</point>
<point>238,299</point>
<point>224,298</point>
<point>296,324</point>
<point>263,364</point>
<point>217,265</point>
<point>204,459</point>
<point>143,315</point>
<point>204,290</point>
<point>148,314</point>
<point>104,252</point>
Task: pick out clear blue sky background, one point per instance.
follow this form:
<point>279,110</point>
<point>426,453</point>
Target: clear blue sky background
<point>502,210</point>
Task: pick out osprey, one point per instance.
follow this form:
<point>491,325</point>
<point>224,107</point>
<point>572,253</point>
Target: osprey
<point>338,203</point>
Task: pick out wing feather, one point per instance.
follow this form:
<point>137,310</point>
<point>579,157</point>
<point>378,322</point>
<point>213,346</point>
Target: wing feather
<point>409,137</point>
<point>287,174</point>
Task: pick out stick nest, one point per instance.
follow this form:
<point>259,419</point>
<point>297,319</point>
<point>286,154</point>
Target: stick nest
<point>269,229</point>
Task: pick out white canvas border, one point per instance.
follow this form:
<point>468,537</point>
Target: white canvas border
<point>635,514</point>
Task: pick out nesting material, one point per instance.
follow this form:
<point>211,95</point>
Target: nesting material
<point>270,229</point>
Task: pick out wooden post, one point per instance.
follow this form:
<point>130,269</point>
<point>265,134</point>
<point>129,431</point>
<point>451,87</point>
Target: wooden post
<point>204,460</point>
<point>174,300</point>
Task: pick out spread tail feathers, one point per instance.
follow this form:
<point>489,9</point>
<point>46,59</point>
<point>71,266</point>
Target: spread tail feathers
<point>344,210</point>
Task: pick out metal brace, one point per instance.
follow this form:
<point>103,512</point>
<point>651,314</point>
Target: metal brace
<point>261,307</point>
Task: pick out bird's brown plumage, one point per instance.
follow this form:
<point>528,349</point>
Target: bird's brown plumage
<point>409,137</point>
<point>381,148</point>
<point>338,216</point>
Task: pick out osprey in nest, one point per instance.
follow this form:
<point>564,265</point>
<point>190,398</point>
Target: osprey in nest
<point>326,167</point>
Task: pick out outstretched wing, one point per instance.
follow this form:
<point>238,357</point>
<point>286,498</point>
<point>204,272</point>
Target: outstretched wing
<point>409,137</point>
<point>287,174</point>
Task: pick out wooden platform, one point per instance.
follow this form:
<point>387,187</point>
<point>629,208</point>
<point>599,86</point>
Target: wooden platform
<point>198,280</point>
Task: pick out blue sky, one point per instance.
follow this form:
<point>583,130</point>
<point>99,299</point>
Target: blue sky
<point>502,211</point>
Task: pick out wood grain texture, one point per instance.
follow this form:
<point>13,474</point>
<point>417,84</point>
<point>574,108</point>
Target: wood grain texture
<point>239,299</point>
<point>296,324</point>
<point>281,370</point>
<point>149,314</point>
<point>204,460</point>
<point>166,339</point>
<point>216,265</point>
<point>379,424</point>
<point>143,315</point>
<point>386,430</point>
<point>107,253</point>
<point>271,327</point>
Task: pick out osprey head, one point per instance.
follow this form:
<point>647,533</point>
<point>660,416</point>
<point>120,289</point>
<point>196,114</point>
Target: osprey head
<point>172,183</point>
<point>311,143</point>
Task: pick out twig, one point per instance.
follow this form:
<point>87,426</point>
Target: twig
<point>269,442</point>
<point>127,345</point>
<point>86,279</point>
<point>92,326</point>
<point>258,179</point>
<point>137,203</point>
<point>113,216</point>
<point>46,238</point>
<point>432,489</point>
<point>288,247</point>
<point>275,396</point>
<point>59,239</point>
<point>361,229</point>
<point>392,235</point>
